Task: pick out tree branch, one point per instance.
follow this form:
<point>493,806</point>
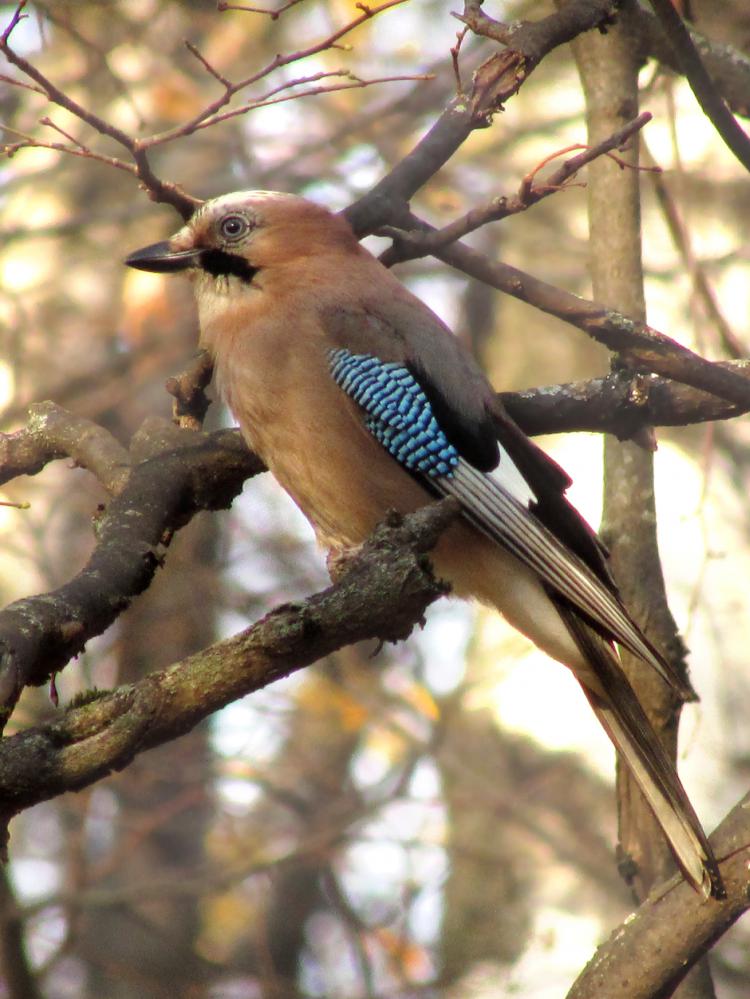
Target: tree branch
<point>728,66</point>
<point>620,404</point>
<point>175,473</point>
<point>644,347</point>
<point>382,594</point>
<point>54,433</point>
<point>528,194</point>
<point>494,82</point>
<point>700,82</point>
<point>649,954</point>
<point>159,190</point>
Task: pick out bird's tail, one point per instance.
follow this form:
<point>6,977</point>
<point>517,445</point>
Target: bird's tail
<point>622,717</point>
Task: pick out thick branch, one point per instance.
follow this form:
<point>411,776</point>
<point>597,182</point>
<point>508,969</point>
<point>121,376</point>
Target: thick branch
<point>54,433</point>
<point>383,594</point>
<point>175,474</point>
<point>620,404</point>
<point>496,80</point>
<point>649,954</point>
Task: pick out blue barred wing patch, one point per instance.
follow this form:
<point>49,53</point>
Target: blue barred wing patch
<point>399,414</point>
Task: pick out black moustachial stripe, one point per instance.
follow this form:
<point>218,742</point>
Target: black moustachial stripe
<point>222,264</point>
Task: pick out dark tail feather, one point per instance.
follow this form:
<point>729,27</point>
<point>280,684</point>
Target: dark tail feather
<point>625,722</point>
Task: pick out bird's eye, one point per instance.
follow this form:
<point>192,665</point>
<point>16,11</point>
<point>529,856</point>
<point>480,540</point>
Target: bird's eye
<point>233,227</point>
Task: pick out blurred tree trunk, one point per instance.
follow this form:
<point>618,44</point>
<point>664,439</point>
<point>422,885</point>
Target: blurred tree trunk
<point>608,65</point>
<point>310,795</point>
<point>144,944</point>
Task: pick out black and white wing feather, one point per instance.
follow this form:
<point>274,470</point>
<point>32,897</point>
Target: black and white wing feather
<point>500,502</point>
<point>439,419</point>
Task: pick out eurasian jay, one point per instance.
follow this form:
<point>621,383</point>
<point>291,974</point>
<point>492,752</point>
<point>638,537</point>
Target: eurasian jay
<point>360,400</point>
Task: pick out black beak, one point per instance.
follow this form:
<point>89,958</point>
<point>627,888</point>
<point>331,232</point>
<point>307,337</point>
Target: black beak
<point>162,259</point>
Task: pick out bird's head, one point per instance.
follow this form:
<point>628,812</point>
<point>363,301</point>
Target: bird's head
<point>240,234</point>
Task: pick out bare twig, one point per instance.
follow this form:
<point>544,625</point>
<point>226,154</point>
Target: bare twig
<point>383,595</point>
<point>159,190</point>
<point>222,5</point>
<point>18,15</point>
<point>212,114</point>
<point>454,51</point>
<point>15,82</point>
<point>502,207</point>
<point>66,135</point>
<point>30,142</point>
<point>354,83</point>
<point>526,189</point>
<point>701,285</point>
<point>53,433</point>
<point>193,50</point>
<point>211,111</point>
<point>60,98</point>
<point>644,347</point>
<point>168,483</point>
<point>701,83</point>
<point>188,388</point>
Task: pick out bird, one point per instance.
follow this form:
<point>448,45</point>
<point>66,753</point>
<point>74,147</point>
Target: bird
<point>360,401</point>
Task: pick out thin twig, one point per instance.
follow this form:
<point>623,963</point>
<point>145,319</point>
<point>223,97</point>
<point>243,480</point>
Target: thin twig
<point>193,50</point>
<point>701,285</point>
<point>354,84</point>
<point>60,98</point>
<point>526,189</point>
<point>211,110</point>
<point>15,82</point>
<point>502,207</point>
<point>273,14</point>
<point>158,189</point>
<point>18,15</point>
<point>454,51</point>
<point>30,142</point>
<point>66,135</point>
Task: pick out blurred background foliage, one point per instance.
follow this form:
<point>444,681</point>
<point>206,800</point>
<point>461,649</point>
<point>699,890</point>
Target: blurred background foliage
<point>414,821</point>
